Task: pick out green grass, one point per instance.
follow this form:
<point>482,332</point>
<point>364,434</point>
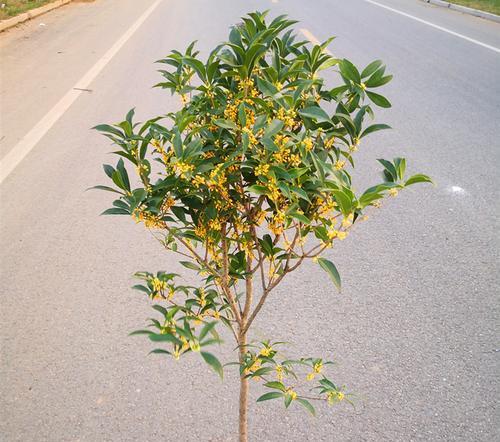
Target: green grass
<point>15,7</point>
<point>492,6</point>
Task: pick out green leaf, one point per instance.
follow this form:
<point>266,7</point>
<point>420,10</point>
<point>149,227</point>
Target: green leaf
<point>315,113</point>
<point>374,128</point>
<point>332,271</point>
<point>189,265</point>
<point>300,217</point>
<point>206,329</point>
<point>379,100</point>
<point>177,143</point>
<point>269,396</point>
<point>211,360</point>
<point>276,385</point>
<point>390,169</point>
<point>343,201</point>
<point>115,211</point>
<point>108,189</point>
<point>349,71</point>
<point>160,351</point>
<point>288,400</point>
<point>141,332</point>
<point>164,338</point>
<point>273,128</point>
<point>307,405</point>
<point>259,190</point>
<point>371,68</point>
<point>226,124</point>
<point>267,88</point>
<point>419,178</point>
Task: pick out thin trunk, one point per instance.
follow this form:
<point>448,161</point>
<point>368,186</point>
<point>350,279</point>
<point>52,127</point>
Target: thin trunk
<point>243,395</point>
<point>242,341</point>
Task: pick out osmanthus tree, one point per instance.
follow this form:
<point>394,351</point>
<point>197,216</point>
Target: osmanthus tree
<point>250,178</point>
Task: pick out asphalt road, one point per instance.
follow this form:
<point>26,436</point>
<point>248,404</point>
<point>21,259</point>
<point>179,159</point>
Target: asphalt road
<point>415,332</point>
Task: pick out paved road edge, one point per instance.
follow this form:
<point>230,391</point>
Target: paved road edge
<point>465,10</point>
<point>14,21</point>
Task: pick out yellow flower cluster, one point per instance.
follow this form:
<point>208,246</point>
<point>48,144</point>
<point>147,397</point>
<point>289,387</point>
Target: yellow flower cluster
<point>215,224</point>
<point>291,393</point>
<point>198,180</point>
<point>335,396</point>
<point>150,221</point>
<point>248,85</point>
<point>183,168</point>
<point>317,368</point>
<point>167,204</point>
<point>252,139</point>
<point>231,112</point>
<point>354,146</point>
<point>253,366</point>
<point>288,117</point>
<point>339,164</point>
<point>275,194</point>
<point>200,230</point>
<point>266,351</point>
<point>262,169</point>
<point>329,142</point>
<point>279,373</point>
<point>158,284</point>
<point>326,207</point>
<point>276,225</point>
<point>308,143</point>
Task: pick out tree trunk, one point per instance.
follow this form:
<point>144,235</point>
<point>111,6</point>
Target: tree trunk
<point>243,395</point>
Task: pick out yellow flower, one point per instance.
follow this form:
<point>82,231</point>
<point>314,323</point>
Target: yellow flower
<point>342,235</point>
<point>183,168</point>
<point>252,140</point>
<point>198,180</point>
<point>329,142</point>
<point>291,393</point>
<point>354,146</point>
<point>339,164</point>
<point>310,376</point>
<point>266,351</point>
<point>332,234</point>
<point>262,169</point>
<point>158,284</point>
<point>335,396</point>
<point>167,204</point>
<point>393,192</point>
<point>347,222</point>
<point>214,224</point>
<point>279,372</point>
<point>308,143</point>
<point>231,112</point>
<point>295,160</point>
<point>171,292</point>
<point>318,367</point>
<point>363,86</point>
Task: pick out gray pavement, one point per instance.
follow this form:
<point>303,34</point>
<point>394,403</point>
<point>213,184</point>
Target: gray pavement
<point>415,332</point>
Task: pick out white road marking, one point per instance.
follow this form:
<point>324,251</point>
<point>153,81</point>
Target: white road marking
<point>308,34</point>
<point>456,189</point>
<point>441,28</point>
<point>10,161</point>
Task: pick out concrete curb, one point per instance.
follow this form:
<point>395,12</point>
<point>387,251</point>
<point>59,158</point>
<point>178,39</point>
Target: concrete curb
<point>465,10</point>
<point>9,23</point>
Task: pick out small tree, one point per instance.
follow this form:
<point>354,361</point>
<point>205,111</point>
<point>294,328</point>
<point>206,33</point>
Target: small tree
<point>251,177</point>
